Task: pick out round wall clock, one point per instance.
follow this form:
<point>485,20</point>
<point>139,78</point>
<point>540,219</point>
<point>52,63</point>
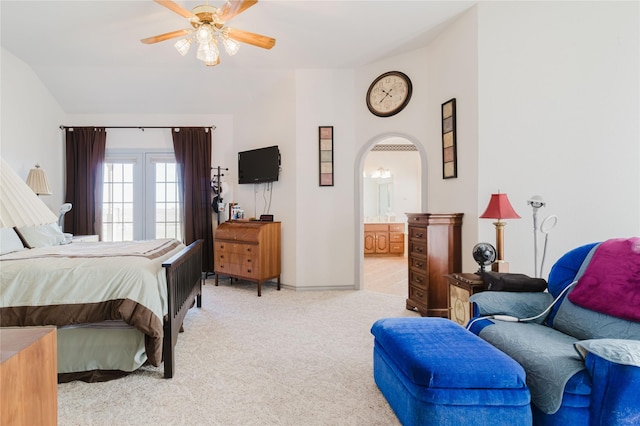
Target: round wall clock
<point>389,94</point>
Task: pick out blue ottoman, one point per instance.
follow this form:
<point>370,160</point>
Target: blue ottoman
<point>434,372</point>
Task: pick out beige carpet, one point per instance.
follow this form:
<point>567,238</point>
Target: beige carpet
<point>286,358</point>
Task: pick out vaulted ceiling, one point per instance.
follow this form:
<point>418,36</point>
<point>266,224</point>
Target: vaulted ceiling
<point>89,54</point>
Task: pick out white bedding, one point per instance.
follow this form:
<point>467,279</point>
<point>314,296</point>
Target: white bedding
<point>89,283</point>
<point>88,273</point>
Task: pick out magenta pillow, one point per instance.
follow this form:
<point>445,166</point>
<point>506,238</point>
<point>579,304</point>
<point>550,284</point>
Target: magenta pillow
<point>611,281</point>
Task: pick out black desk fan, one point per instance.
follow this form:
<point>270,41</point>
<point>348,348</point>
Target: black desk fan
<point>484,254</point>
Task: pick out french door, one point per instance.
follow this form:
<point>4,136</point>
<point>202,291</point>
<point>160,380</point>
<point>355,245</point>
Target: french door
<point>140,196</point>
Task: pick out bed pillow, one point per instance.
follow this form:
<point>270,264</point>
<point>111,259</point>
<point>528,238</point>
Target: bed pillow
<point>42,235</point>
<point>9,241</point>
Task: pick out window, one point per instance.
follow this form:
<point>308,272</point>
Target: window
<point>141,198</point>
<point>167,201</point>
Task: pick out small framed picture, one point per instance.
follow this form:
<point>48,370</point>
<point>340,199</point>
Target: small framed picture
<point>449,150</point>
<point>325,149</point>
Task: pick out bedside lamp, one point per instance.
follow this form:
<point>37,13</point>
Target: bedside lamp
<point>499,208</point>
<point>37,181</point>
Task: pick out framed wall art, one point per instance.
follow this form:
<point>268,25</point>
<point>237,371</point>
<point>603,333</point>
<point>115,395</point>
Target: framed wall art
<point>325,147</point>
<point>449,149</point>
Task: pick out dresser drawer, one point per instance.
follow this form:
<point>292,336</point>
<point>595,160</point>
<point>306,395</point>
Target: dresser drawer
<point>418,294</point>
<point>246,268</point>
<point>418,263</point>
<point>419,249</point>
<point>396,248</point>
<point>239,248</point>
<point>396,237</point>
<point>417,279</point>
<point>397,227</point>
<point>417,233</point>
<point>225,267</point>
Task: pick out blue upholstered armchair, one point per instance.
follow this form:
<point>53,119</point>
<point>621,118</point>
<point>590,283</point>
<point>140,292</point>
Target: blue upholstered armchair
<point>582,357</point>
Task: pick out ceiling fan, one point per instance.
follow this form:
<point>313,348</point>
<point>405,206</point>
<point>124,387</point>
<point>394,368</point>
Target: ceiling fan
<point>208,29</point>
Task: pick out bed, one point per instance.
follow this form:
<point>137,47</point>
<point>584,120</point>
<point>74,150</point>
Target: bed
<point>117,305</point>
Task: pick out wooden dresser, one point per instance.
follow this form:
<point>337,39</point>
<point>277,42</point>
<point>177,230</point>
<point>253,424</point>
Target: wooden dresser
<point>248,250</point>
<point>384,239</point>
<point>29,376</point>
<point>435,250</point>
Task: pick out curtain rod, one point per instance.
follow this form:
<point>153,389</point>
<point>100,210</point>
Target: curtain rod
<point>140,127</point>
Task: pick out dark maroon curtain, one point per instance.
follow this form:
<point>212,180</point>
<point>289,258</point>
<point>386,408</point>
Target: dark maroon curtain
<point>192,146</point>
<point>85,152</point>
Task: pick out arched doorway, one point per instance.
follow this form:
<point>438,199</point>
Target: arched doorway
<point>359,181</point>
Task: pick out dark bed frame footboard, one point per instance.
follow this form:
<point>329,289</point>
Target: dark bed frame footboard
<point>184,286</point>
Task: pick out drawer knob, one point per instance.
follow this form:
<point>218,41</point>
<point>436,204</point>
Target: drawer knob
<point>419,280</point>
<point>419,249</point>
<point>419,234</point>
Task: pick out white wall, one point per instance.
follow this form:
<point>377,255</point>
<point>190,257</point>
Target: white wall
<point>452,72</point>
<point>548,104</point>
<point>325,214</point>
<point>558,111</point>
<point>443,70</point>
<point>265,122</point>
<point>29,131</point>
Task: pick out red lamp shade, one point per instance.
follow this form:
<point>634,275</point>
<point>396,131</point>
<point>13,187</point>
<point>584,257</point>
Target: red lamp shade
<point>499,208</point>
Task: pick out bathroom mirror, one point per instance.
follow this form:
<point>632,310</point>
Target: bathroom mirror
<point>378,199</point>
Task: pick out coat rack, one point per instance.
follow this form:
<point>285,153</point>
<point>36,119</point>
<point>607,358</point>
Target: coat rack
<point>216,185</point>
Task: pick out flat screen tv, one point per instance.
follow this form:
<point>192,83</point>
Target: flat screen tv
<point>259,165</point>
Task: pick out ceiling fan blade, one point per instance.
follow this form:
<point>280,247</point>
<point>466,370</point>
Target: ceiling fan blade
<point>234,8</point>
<point>252,38</point>
<point>165,36</point>
<point>175,7</point>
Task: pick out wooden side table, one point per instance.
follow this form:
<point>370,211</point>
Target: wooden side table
<point>29,376</point>
<point>461,287</point>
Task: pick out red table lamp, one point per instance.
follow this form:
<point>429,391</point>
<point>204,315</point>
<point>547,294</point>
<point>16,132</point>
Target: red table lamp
<point>499,208</point>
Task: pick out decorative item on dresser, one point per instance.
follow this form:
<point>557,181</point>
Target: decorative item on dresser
<point>384,239</point>
<point>461,287</point>
<point>435,249</point>
<point>249,250</point>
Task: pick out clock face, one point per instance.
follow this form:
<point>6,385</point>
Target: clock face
<point>389,94</point>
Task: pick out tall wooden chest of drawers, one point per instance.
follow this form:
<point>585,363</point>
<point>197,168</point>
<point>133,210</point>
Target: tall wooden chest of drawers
<point>248,250</point>
<point>435,249</point>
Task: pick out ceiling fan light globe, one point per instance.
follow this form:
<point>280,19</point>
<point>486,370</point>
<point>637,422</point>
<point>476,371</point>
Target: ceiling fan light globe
<point>182,46</point>
<point>204,34</point>
<point>231,46</point>
<point>208,53</point>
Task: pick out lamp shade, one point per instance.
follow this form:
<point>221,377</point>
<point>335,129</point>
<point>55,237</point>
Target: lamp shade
<point>19,205</point>
<point>37,181</point>
<point>499,208</point>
